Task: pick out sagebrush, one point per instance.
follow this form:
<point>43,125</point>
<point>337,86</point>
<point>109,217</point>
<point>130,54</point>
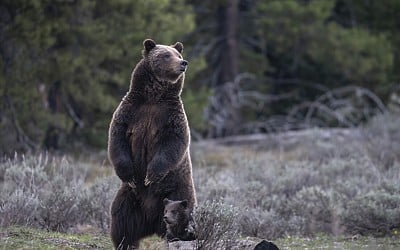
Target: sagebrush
<point>52,193</point>
<point>302,183</point>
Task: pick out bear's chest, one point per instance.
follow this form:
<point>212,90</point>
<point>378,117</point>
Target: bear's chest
<point>146,128</point>
<point>147,122</point>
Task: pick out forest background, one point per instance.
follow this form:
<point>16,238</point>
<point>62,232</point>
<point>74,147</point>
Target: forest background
<point>322,73</point>
<point>254,66</point>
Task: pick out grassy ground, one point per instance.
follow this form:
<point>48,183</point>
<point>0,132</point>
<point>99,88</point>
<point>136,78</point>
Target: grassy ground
<point>325,242</point>
<point>32,239</point>
<point>27,238</point>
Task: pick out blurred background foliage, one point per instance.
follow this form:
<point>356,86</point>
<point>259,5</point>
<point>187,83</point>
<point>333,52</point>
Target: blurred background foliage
<point>66,64</point>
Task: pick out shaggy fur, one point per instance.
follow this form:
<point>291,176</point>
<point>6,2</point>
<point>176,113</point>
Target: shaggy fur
<point>177,217</point>
<point>149,146</point>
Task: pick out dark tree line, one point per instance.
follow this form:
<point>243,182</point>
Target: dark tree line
<point>289,53</point>
<point>255,66</point>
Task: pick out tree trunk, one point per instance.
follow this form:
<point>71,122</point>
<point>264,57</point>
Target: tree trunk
<point>223,112</point>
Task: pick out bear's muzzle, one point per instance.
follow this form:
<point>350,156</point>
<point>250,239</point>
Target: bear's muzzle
<point>184,65</point>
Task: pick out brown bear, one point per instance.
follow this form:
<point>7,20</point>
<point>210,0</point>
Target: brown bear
<point>178,218</point>
<point>149,146</point>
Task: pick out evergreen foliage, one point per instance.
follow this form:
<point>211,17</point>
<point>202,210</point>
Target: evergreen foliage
<point>65,65</point>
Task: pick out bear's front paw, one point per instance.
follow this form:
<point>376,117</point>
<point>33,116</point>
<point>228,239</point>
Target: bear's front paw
<point>132,184</point>
<point>152,178</point>
<point>148,181</point>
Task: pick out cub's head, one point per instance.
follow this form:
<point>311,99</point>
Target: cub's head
<point>166,62</point>
<point>176,212</point>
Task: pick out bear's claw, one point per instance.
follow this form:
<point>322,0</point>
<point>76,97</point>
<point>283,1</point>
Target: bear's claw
<point>147,182</point>
<point>132,184</point>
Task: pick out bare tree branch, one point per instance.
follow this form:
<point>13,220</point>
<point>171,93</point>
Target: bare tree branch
<point>72,114</point>
<point>344,107</point>
<point>21,135</point>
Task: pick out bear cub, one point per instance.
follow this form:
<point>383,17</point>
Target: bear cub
<point>177,218</point>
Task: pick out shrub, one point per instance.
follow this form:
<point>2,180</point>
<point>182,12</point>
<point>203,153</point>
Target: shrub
<point>51,193</point>
<point>216,226</point>
<point>317,207</point>
<point>22,179</point>
<point>256,222</point>
<point>24,172</point>
<point>331,184</point>
<point>20,208</point>
<point>59,209</point>
<point>375,213</point>
<point>280,196</point>
<point>97,202</point>
<point>383,140</point>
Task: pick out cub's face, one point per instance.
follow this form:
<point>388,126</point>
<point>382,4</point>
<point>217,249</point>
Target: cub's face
<point>175,212</point>
<point>166,62</point>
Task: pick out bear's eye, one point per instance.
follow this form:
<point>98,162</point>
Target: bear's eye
<point>166,56</point>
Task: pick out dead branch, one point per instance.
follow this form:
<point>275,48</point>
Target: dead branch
<point>72,114</point>
<point>21,135</point>
<point>343,107</point>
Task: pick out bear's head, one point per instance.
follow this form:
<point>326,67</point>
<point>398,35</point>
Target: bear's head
<point>166,62</point>
<point>176,212</point>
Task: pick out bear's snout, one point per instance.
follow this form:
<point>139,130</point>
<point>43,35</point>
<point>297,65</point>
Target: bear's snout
<point>184,64</point>
<point>166,220</point>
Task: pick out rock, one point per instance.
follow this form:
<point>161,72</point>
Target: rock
<point>266,245</point>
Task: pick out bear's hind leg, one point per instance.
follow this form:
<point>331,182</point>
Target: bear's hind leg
<point>126,219</point>
<point>153,209</point>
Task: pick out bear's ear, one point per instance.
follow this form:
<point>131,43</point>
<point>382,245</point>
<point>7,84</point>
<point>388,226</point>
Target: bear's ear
<point>178,46</point>
<point>184,203</point>
<point>149,44</point>
<point>166,201</point>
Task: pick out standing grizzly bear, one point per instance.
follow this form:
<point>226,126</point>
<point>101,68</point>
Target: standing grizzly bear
<point>149,146</point>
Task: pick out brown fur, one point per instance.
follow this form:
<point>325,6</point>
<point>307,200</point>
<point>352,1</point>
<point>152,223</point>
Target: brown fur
<point>177,217</point>
<point>149,146</point>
